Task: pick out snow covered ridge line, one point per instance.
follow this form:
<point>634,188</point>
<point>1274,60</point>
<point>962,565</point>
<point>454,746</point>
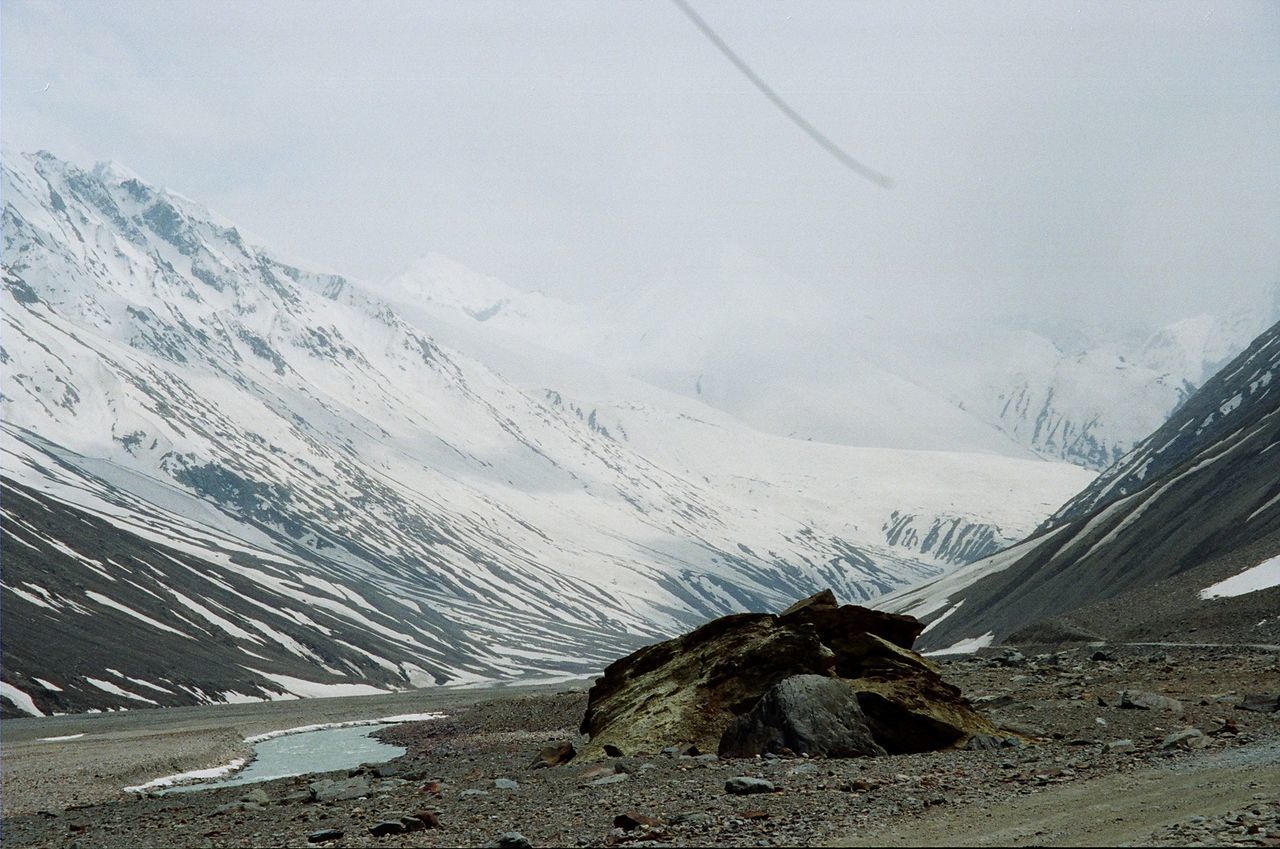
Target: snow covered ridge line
<point>196,775</point>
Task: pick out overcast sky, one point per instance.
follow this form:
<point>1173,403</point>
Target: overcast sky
<point>1090,159</point>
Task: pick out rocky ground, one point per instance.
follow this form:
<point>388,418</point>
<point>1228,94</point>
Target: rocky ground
<point>1200,770</point>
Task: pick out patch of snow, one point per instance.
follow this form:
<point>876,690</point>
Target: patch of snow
<point>63,737</point>
<point>48,685</point>
<point>315,689</point>
<point>19,699</point>
<point>129,611</point>
<point>184,777</point>
<point>1264,576</point>
<point>967,646</point>
<point>108,687</point>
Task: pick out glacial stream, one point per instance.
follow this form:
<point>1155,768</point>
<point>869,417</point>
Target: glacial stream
<point>322,750</point>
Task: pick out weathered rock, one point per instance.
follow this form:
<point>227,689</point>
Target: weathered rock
<point>257,796</point>
<point>506,784</point>
<point>1120,747</point>
<point>693,687</point>
<point>1260,702</point>
<point>429,819</point>
<point>324,835</point>
<point>616,778</point>
<point>560,753</point>
<point>1139,700</point>
<point>632,820</point>
<point>328,790</point>
<point>982,742</point>
<point>808,714</point>
<point>743,785</point>
<point>511,840</point>
<point>613,751</point>
<point>386,827</point>
<point>1187,738</point>
<point>825,600</point>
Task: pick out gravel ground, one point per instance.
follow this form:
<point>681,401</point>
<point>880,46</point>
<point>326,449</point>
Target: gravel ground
<point>1070,702</point>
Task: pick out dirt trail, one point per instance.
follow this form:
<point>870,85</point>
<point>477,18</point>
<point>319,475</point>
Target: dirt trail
<point>1109,811</point>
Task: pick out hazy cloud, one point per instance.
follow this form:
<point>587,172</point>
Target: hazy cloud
<point>1085,158</point>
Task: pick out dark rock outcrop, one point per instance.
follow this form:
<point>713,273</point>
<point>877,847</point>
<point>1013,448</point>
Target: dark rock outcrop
<point>692,689</point>
<point>807,714</point>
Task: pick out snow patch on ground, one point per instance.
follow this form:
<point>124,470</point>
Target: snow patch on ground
<point>193,775</point>
<point>19,699</point>
<point>63,737</point>
<point>1264,576</point>
<point>968,646</point>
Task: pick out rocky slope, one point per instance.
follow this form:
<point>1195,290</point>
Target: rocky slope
<point>1199,494</point>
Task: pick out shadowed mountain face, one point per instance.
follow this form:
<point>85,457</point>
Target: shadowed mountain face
<point>207,446</point>
<point>1201,492</point>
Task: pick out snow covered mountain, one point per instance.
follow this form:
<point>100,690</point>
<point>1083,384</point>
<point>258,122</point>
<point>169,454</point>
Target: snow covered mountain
<point>748,340</point>
<point>1135,554</point>
<point>1091,406</point>
<point>207,447</point>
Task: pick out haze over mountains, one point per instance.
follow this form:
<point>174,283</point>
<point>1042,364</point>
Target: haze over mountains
<point>229,478</point>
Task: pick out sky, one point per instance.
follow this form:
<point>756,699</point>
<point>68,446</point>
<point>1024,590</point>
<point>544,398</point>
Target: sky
<point>1083,160</point>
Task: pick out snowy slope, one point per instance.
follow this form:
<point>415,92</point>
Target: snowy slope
<point>290,436</point>
<point>750,341</point>
<point>1200,490</point>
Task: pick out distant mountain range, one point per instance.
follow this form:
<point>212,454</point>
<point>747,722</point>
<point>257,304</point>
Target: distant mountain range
<point>226,477</point>
<point>1177,541</point>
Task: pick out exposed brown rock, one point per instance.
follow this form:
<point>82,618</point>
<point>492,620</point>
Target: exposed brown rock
<point>689,690</point>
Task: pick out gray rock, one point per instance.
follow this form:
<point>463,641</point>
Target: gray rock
<point>982,742</point>
<point>506,784</point>
<point>1187,738</point>
<point>386,827</point>
<point>743,785</point>
<point>325,834</point>
<point>1139,700</point>
<point>511,840</point>
<point>256,795</point>
<point>808,714</point>
<point>1120,747</point>
<point>1260,702</point>
<point>327,790</point>
<point>804,769</point>
<point>616,778</point>
<point>473,792</point>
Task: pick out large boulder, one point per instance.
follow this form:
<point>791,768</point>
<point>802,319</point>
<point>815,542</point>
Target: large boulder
<point>807,714</point>
<point>692,689</point>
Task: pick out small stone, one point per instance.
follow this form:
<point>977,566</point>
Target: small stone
<point>256,795</point>
<point>560,753</point>
<point>613,751</point>
<point>1121,746</point>
<point>511,840</point>
<point>616,778</point>
<point>1187,738</point>
<point>1139,700</point>
<point>804,769</point>
<point>981,742</point>
<point>1260,703</point>
<point>745,786</point>
<point>474,792</point>
<point>506,784</point>
<point>325,834</point>
<point>429,819</point>
<point>632,820</point>
<point>1101,655</point>
<point>386,827</point>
